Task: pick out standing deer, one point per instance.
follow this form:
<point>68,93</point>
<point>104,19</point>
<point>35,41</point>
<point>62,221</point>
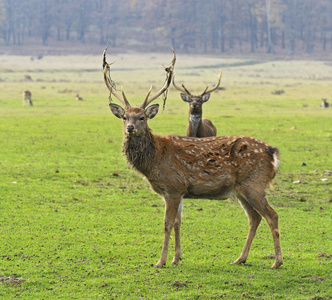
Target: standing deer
<point>206,168</point>
<point>197,126</point>
<point>324,104</point>
<point>27,97</point>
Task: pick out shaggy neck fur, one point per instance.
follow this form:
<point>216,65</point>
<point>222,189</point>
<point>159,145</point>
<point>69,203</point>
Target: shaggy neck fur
<point>140,152</point>
<point>194,123</point>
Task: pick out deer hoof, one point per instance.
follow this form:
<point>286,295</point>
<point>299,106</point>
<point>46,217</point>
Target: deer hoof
<point>239,261</point>
<point>276,265</point>
<point>159,265</point>
<point>175,261</point>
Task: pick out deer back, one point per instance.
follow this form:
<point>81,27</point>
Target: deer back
<point>213,168</point>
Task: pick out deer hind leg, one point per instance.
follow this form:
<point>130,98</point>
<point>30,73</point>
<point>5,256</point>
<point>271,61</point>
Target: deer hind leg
<point>254,218</point>
<point>172,219</point>
<point>258,201</point>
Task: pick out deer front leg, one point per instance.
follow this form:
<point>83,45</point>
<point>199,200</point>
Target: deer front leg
<point>171,220</point>
<point>177,226</point>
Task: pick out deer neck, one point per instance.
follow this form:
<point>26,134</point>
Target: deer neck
<point>140,152</point>
<point>195,121</point>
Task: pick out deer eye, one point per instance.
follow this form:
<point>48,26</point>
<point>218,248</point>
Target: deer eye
<point>141,118</point>
<point>124,118</point>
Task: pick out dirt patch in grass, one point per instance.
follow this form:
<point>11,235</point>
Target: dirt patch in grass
<point>15,280</point>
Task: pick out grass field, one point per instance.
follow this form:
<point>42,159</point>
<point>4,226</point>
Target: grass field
<point>78,223</point>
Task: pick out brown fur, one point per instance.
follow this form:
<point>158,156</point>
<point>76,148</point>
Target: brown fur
<point>197,125</point>
<point>205,168</point>
<point>190,167</point>
<point>27,97</point>
<point>211,168</point>
<point>324,104</point>
<point>140,152</point>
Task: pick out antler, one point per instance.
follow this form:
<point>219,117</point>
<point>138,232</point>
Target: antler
<point>108,81</point>
<point>183,89</point>
<point>206,91</point>
<point>169,70</point>
<point>215,87</point>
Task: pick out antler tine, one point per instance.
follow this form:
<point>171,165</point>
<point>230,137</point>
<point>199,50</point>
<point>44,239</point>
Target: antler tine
<point>169,71</point>
<point>183,89</point>
<point>107,80</point>
<point>186,90</point>
<point>205,90</point>
<point>147,96</point>
<point>215,87</point>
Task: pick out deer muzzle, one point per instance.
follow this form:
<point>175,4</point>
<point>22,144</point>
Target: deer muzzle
<point>130,128</point>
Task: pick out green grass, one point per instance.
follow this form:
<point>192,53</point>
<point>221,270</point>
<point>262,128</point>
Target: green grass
<point>77,223</point>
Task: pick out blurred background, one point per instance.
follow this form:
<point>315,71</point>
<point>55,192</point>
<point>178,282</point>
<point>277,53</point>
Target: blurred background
<point>231,27</point>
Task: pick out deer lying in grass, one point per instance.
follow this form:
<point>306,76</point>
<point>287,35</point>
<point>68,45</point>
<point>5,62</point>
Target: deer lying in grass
<point>206,168</point>
<point>197,126</point>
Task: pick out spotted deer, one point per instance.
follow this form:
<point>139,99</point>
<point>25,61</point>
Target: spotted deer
<point>27,97</point>
<point>198,126</point>
<point>324,104</point>
<point>205,168</point>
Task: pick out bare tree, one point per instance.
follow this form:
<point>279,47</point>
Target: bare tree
<point>270,45</point>
<point>202,26</point>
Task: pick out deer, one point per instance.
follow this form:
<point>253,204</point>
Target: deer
<point>324,104</point>
<point>27,97</point>
<point>198,126</point>
<point>27,77</point>
<point>78,98</point>
<point>180,167</point>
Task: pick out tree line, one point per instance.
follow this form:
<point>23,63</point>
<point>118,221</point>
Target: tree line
<point>195,26</point>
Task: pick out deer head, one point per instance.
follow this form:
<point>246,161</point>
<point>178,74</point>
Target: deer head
<point>196,101</point>
<point>135,118</point>
<point>197,126</point>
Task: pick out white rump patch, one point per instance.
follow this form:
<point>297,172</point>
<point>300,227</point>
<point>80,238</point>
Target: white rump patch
<point>276,161</point>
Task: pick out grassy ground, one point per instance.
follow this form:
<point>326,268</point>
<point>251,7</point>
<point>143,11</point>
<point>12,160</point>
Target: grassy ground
<point>77,223</point>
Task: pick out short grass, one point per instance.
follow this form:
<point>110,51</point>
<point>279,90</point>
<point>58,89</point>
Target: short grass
<point>77,223</point>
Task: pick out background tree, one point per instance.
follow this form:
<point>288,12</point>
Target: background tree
<point>197,26</point>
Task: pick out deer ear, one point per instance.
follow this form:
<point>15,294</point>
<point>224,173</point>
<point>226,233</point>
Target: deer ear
<point>152,111</point>
<point>117,110</point>
<point>185,97</point>
<point>205,97</point>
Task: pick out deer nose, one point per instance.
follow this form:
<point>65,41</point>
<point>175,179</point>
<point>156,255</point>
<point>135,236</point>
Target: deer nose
<point>130,128</point>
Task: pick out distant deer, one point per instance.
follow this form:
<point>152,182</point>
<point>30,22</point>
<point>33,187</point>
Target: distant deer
<point>324,104</point>
<point>27,78</point>
<point>197,126</point>
<point>206,168</point>
<point>27,97</point>
<point>78,98</point>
